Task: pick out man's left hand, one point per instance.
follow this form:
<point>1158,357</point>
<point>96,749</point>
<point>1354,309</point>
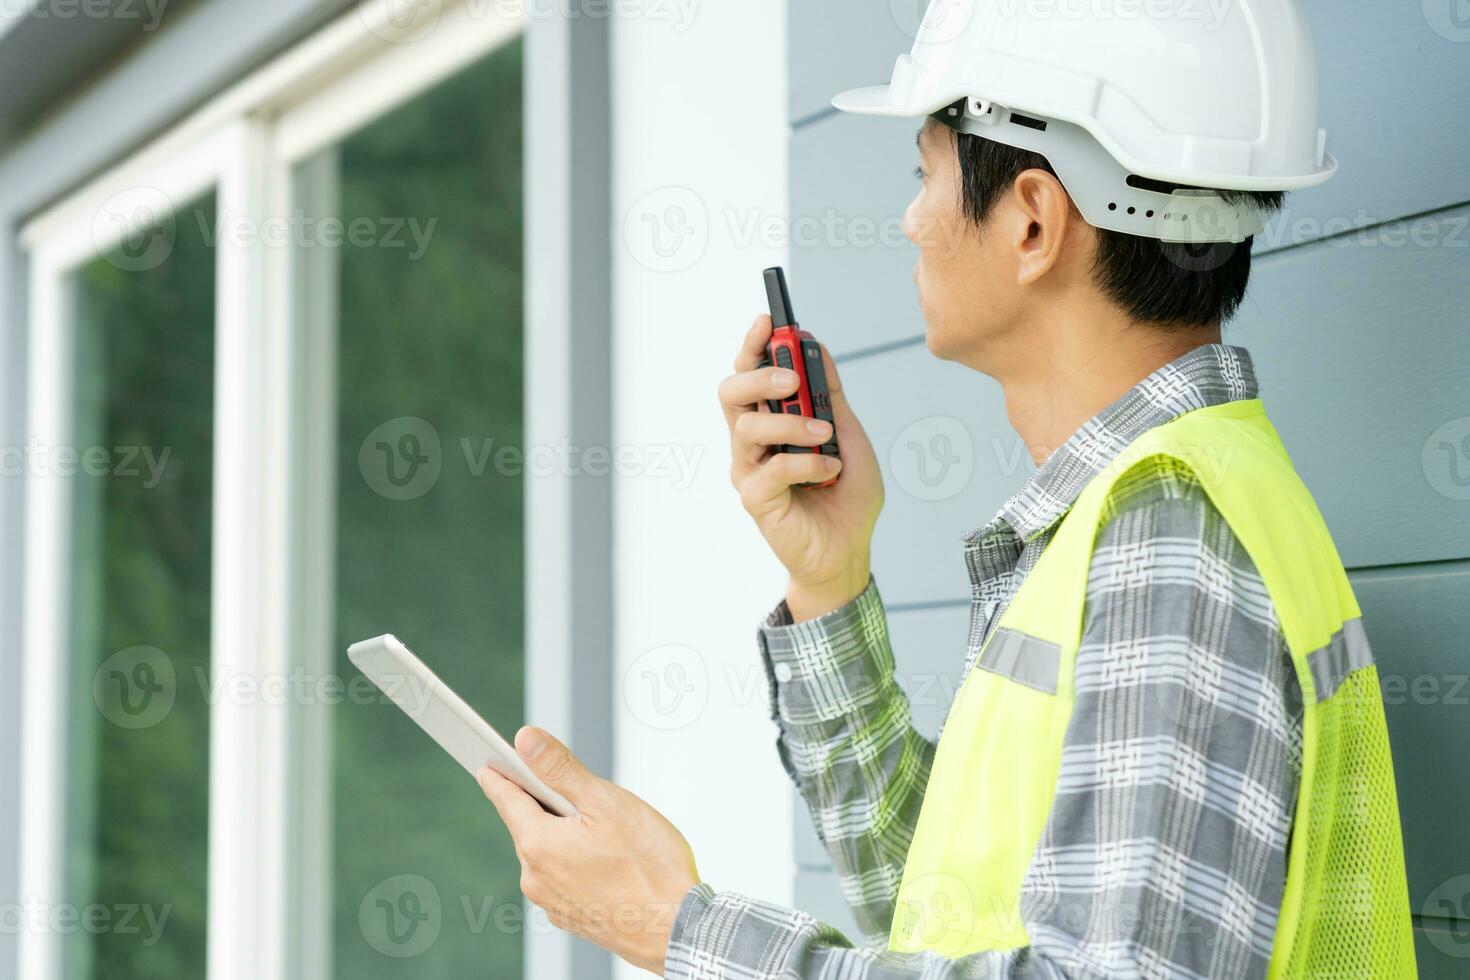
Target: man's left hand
<point>614,874</point>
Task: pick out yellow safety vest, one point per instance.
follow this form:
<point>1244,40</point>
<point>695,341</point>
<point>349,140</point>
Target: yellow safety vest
<point>1345,911</point>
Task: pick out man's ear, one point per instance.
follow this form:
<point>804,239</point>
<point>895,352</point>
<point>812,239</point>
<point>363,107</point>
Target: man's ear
<point>1045,223</point>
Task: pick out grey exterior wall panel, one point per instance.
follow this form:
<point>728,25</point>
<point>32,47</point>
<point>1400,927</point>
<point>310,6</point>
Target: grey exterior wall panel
<point>1418,620</point>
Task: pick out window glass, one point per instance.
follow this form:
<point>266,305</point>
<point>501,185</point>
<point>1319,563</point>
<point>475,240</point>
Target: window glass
<point>135,859</point>
<point>425,288</point>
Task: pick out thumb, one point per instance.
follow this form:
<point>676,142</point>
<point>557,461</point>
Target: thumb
<point>834,385</point>
<point>849,429</point>
<point>556,765</point>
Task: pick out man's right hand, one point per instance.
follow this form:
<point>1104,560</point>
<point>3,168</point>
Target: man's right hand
<point>823,536</point>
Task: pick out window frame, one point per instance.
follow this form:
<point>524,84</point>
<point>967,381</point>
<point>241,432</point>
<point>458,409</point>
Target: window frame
<point>271,604</point>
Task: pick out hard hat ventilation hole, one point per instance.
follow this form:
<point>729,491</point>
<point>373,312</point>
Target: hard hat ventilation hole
<point>1029,122</point>
<point>1131,210</point>
<point>1112,205</point>
<point>1149,213</point>
<point>1149,184</point>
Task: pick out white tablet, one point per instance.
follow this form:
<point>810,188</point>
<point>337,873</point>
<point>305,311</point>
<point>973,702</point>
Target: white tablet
<point>459,730</point>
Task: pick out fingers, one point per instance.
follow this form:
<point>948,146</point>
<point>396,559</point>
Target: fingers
<point>556,765</point>
<point>516,807</point>
<point>743,392</point>
<point>834,381</point>
<point>753,347</point>
<point>757,432</point>
<point>745,396</point>
<point>769,482</point>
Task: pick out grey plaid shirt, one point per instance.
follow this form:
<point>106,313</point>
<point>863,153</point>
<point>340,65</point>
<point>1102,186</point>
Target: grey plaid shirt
<point>1164,854</point>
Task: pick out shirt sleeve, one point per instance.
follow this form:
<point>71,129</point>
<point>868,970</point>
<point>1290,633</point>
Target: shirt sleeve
<point>1164,854</point>
<point>847,741</point>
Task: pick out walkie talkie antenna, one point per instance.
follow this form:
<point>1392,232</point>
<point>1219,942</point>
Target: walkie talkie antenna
<point>779,297</point>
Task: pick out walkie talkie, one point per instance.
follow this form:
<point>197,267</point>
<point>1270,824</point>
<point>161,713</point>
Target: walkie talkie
<point>793,348</point>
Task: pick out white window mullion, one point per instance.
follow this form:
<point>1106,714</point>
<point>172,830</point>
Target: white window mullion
<point>45,648</point>
<point>249,646</point>
<point>306,297</point>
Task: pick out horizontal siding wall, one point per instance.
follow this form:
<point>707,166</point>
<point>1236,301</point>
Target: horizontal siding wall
<point>1359,321</point>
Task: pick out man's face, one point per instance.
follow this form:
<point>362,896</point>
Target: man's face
<point>966,277</point>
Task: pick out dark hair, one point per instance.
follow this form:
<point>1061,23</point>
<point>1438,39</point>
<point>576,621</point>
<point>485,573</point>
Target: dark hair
<point>1154,281</point>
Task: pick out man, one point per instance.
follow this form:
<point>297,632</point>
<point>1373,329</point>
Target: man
<point>1168,756</point>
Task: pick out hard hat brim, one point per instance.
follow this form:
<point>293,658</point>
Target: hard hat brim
<point>872,100</point>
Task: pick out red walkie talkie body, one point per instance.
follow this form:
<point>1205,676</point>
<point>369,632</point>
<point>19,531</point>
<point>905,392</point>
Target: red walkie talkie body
<point>793,348</point>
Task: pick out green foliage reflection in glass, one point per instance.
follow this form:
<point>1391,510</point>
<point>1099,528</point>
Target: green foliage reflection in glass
<point>138,728</point>
<point>436,338</point>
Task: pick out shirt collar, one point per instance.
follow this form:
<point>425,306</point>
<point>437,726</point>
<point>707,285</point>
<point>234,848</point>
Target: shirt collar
<point>1209,375</point>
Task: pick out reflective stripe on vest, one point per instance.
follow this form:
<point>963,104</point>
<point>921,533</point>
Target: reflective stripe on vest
<point>1024,659</point>
<point>1345,908</point>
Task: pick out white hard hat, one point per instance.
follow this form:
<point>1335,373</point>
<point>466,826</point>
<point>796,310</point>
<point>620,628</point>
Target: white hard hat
<point>1122,94</point>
